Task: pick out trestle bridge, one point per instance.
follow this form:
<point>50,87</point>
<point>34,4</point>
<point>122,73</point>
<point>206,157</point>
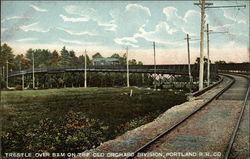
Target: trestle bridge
<point>160,69</point>
<point>155,70</point>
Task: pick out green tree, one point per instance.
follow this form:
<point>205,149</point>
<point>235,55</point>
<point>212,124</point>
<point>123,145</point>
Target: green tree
<point>140,63</point>
<point>121,58</point>
<point>55,58</point>
<point>29,56</point>
<point>21,62</point>
<point>220,62</point>
<point>81,59</point>
<point>42,57</point>
<point>65,57</point>
<point>97,55</point>
<point>132,62</point>
<point>116,56</point>
<point>74,60</point>
<point>6,54</point>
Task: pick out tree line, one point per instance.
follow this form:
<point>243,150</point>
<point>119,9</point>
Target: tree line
<point>63,58</point>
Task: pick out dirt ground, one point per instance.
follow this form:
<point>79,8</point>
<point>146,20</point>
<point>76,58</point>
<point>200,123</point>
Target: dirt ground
<point>202,136</point>
<point>202,133</point>
<point>241,145</point>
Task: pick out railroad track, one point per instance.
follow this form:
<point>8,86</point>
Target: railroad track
<point>236,128</point>
<point>149,145</point>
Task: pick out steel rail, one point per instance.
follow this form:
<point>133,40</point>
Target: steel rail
<point>227,87</point>
<point>200,92</point>
<point>184,119</point>
<point>236,128</point>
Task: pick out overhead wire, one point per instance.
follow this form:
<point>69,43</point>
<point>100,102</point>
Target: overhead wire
<point>230,35</point>
<point>228,29</point>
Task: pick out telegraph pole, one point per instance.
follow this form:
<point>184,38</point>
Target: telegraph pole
<point>7,74</point>
<point>2,77</point>
<point>3,74</point>
<point>142,75</point>
<point>85,70</point>
<point>208,59</point>
<point>154,67</point>
<point>33,71</point>
<point>189,67</point>
<point>201,75</point>
<point>22,81</point>
<point>201,45</point>
<point>201,72</point>
<point>203,6</point>
<point>127,67</point>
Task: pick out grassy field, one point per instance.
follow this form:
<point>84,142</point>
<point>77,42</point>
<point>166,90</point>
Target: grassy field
<point>113,107</point>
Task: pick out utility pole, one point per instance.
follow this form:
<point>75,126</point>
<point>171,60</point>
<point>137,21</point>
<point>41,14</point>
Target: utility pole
<point>208,59</point>
<point>189,67</point>
<point>203,6</point>
<point>85,70</point>
<point>7,74</point>
<point>22,81</point>
<point>201,72</point>
<point>154,67</point>
<point>127,67</point>
<point>3,74</point>
<point>142,78</point>
<point>33,71</point>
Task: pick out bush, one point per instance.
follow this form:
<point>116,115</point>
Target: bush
<point>137,122</point>
<point>2,84</point>
<point>73,133</point>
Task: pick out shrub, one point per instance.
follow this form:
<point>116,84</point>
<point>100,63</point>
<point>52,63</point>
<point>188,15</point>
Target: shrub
<point>72,133</point>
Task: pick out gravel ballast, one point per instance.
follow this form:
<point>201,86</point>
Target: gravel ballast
<point>201,133</point>
<point>240,149</point>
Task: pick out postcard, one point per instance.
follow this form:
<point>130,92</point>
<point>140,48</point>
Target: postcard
<point>124,79</point>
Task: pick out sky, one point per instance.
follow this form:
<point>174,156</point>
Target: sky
<point>109,27</point>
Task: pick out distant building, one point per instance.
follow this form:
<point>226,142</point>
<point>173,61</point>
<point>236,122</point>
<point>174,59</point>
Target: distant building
<point>106,61</point>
